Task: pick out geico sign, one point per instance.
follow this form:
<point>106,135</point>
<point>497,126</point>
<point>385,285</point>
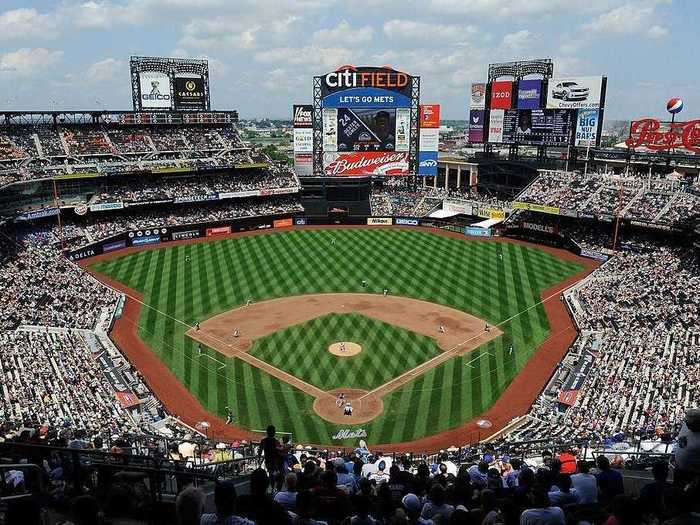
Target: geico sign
<point>155,96</point>
<point>377,79</point>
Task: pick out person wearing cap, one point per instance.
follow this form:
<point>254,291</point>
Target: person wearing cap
<point>412,507</point>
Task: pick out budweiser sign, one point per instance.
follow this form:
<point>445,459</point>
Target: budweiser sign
<point>659,136</point>
<point>360,163</point>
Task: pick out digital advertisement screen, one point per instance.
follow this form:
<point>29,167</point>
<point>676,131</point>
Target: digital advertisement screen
<point>366,129</point>
<point>189,93</point>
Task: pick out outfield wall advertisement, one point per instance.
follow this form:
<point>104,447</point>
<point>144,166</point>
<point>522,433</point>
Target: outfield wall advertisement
<point>429,140</point>
<point>357,164</point>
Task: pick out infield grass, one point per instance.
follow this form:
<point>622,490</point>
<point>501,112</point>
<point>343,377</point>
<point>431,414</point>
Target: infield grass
<point>465,274</point>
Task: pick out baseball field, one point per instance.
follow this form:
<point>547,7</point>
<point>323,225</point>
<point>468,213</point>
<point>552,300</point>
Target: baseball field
<point>423,361</point>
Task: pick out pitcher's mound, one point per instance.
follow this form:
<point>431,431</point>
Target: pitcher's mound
<point>345,349</point>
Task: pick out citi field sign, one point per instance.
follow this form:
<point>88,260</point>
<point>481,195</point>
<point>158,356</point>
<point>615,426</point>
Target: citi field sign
<point>369,87</point>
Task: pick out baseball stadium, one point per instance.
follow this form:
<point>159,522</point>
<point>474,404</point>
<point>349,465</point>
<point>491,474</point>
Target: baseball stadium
<point>356,315</point>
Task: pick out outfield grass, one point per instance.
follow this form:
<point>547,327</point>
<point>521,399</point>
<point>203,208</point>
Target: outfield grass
<point>464,274</point>
<point>387,351</point>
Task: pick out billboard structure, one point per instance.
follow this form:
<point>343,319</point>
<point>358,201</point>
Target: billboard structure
<point>654,135</point>
<point>302,121</point>
<point>545,111</point>
<point>365,122</point>
<point>429,140</point>
<point>169,84</point>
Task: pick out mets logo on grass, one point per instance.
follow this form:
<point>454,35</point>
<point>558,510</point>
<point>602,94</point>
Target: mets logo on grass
<point>349,433</point>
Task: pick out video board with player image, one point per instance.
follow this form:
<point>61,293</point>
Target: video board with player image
<point>366,129</point>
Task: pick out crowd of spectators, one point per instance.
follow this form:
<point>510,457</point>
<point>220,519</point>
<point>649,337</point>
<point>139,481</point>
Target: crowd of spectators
<point>38,286</point>
<point>664,201</point>
<point>639,316</point>
<point>147,189</point>
<point>40,151</point>
<point>97,227</point>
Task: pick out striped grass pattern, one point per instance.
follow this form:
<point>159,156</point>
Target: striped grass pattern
<point>465,274</point>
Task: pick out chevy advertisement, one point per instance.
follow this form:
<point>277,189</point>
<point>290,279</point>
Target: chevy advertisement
<point>575,92</point>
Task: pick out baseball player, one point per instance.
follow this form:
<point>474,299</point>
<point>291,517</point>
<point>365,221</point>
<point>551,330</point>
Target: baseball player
<point>236,333</point>
<point>229,416</point>
<point>364,283</point>
<point>247,303</point>
<point>196,325</point>
<point>510,349</point>
<point>332,241</point>
<point>348,409</point>
<point>340,400</point>
<point>199,349</point>
<point>486,328</point>
<point>386,291</point>
<point>342,346</point>
<point>187,258</point>
<point>441,329</point>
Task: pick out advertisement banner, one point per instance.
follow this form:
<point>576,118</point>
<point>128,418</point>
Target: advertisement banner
<point>111,246</point>
<point>491,213</point>
<point>478,96</point>
<point>574,92</point>
<point>196,198</point>
<point>278,191</point>
<point>302,116</point>
<point>529,94</point>
<point>403,221</point>
<point>188,234</point>
<point>146,239</point>
<point>518,205</point>
<point>363,163</point>
<point>330,129</point>
<point>155,90</point>
<point>38,214</point>
<point>367,98</point>
<point>655,135</point>
<point>303,140</point>
<point>303,164</point>
<point>430,115</point>
<point>351,77</point>
<point>300,221</point>
<point>551,229</point>
<point>496,118</point>
<point>403,129</point>
<point>461,207</point>
<point>238,194</point>
<point>477,232</point>
<point>220,230</point>
<point>501,94</point>
<point>282,223</point>
<point>78,255</point>
<point>367,129</point>
<point>594,255</point>
<point>427,163</point>
<point>107,206</point>
<point>429,139</point>
<point>476,125</point>
<point>568,397</point>
<point>587,127</point>
<point>190,94</point>
<point>379,221</point>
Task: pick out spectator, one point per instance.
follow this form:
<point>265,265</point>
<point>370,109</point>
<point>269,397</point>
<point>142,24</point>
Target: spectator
<point>562,495</point>
<point>189,506</point>
<point>585,484</point>
<point>288,497</point>
<point>435,505</point>
<point>542,512</point>
<point>651,496</point>
<point>609,480</point>
<point>225,501</point>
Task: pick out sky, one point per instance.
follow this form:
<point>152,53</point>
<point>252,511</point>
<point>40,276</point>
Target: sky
<point>74,55</point>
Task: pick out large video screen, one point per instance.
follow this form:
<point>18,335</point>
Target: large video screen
<point>366,129</point>
<point>532,126</point>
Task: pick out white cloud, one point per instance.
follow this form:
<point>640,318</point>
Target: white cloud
<point>101,14</point>
<point>28,23</point>
<point>28,62</point>
<point>628,19</point>
<point>101,71</point>
<point>518,41</point>
<point>501,8</point>
<point>344,33</point>
<point>410,30</point>
<point>311,57</point>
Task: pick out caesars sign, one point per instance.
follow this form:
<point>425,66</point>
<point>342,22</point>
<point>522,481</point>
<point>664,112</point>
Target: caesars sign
<point>661,136</point>
<point>189,93</point>
<point>366,121</point>
<point>155,90</point>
